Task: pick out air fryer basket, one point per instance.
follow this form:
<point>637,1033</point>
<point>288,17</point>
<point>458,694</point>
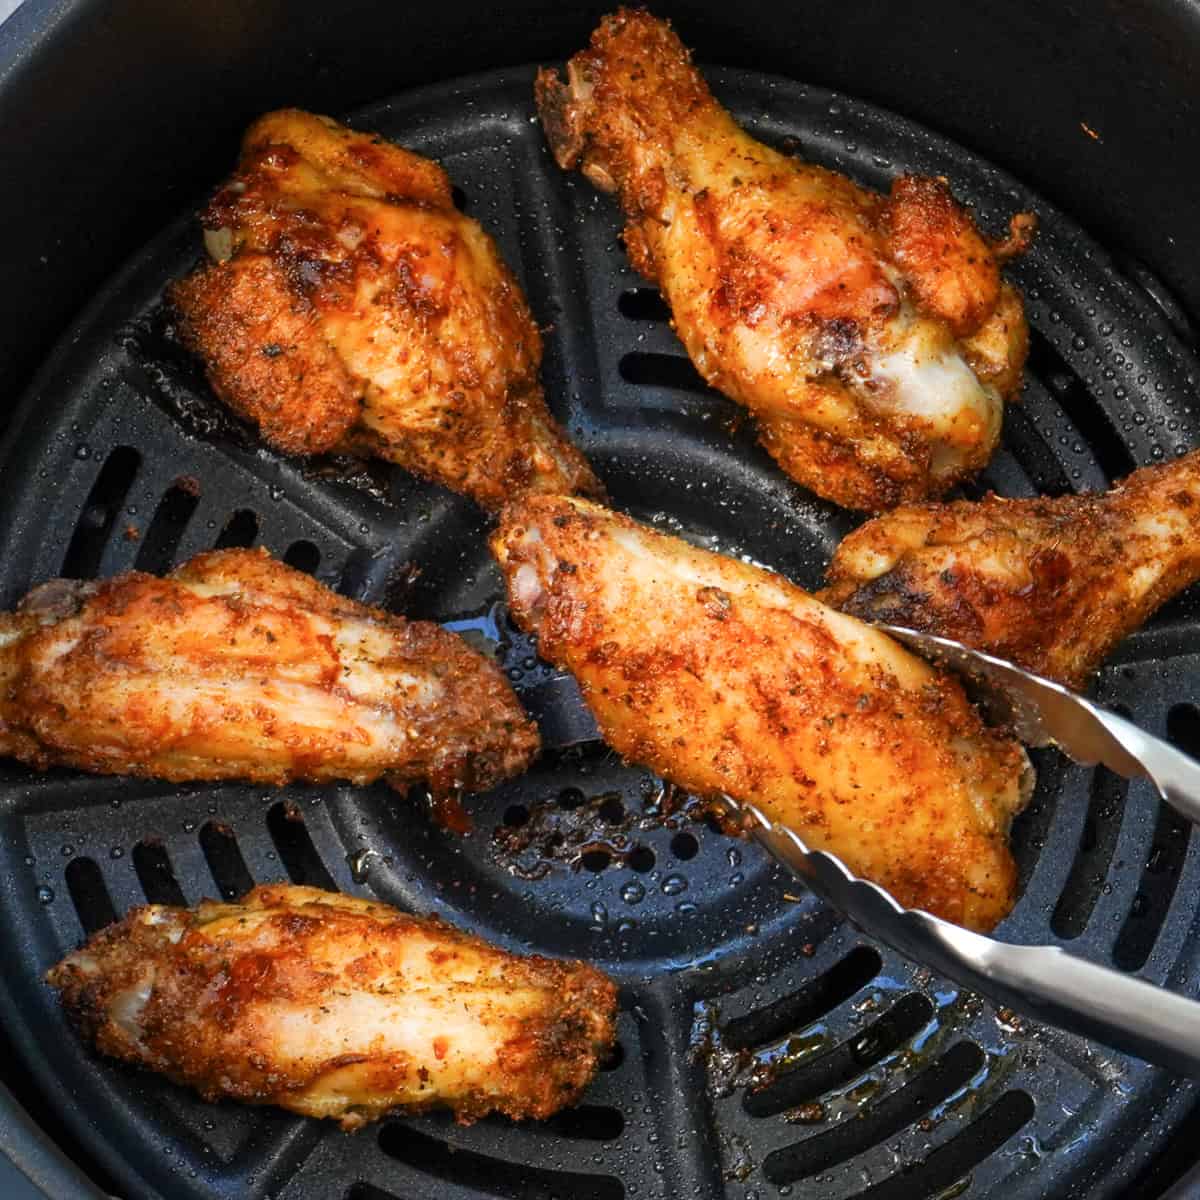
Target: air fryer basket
<point>766,1047</point>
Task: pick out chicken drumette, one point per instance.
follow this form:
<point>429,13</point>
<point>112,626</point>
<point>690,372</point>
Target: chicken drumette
<point>727,679</point>
<point>349,306</point>
<point>336,1007</point>
<point>236,666</point>
<point>1052,584</point>
<point>872,336</point>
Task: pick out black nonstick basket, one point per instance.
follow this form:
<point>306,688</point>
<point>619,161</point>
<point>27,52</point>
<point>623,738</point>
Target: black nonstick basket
<point>766,1047</point>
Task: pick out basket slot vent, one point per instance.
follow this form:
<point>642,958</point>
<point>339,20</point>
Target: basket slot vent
<point>368,1191</point>
<point>152,864</point>
<point>304,556</point>
<point>643,304</point>
<point>241,530</point>
<point>1106,810</point>
<point>162,538</point>
<point>811,1002</point>
<point>89,894</point>
<point>587,1122</point>
<point>100,509</point>
<point>491,1176</point>
<point>953,1071</point>
<point>672,371</point>
<point>904,1020</point>
<point>225,860</point>
<point>296,850</point>
<point>1086,414</point>
<point>939,1174</point>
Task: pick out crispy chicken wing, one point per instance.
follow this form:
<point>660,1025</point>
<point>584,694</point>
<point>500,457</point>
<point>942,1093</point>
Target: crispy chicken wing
<point>726,678</point>
<point>236,666</point>
<point>872,337</point>
<point>331,1006</point>
<point>350,306</point>
<point>1052,584</point>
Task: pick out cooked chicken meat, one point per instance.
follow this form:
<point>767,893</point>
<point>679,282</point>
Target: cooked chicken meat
<point>725,678</point>
<point>1052,584</point>
<point>331,1006</point>
<point>236,666</point>
<point>872,336</point>
<point>350,306</point>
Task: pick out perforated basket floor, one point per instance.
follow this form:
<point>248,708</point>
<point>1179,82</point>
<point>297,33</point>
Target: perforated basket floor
<point>767,1048</point>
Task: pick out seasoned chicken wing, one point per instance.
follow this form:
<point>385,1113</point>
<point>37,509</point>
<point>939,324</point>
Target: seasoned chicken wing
<point>350,306</point>
<point>726,678</point>
<point>872,337</point>
<point>331,1006</point>
<point>1052,584</point>
<point>236,666</point>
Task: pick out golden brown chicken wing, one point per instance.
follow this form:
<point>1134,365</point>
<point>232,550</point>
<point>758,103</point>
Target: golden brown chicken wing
<point>1052,584</point>
<point>336,1007</point>
<point>236,666</point>
<point>726,678</point>
<point>872,336</point>
<point>350,306</point>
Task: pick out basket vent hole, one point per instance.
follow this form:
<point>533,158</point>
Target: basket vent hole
<point>1086,414</point>
<point>816,998</point>
<point>684,846</point>
<point>225,861</point>
<point>811,1080</point>
<point>595,860</point>
<point>471,1171</point>
<point>295,846</point>
<point>640,859</point>
<point>516,815</point>
<point>304,556</point>
<point>104,501</point>
<point>587,1122</point>
<point>612,809</point>
<point>946,1171</point>
<point>643,304</point>
<point>672,371</point>
<point>152,865</point>
<point>89,894</point>
<point>570,798</point>
<point>240,531</point>
<point>1101,828</point>
<point>883,1120</point>
<point>170,521</point>
<point>1183,728</point>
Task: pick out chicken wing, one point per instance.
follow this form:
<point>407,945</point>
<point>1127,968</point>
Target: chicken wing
<point>726,678</point>
<point>872,337</point>
<point>331,1006</point>
<point>350,306</point>
<point>237,667</point>
<point>1052,584</point>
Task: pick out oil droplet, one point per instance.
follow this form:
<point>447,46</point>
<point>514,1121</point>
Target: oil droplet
<point>276,493</point>
<point>674,885</point>
<point>189,826</point>
<point>626,925</point>
<point>116,852</point>
<point>734,855</point>
<point>45,894</point>
<point>30,860</point>
<point>360,864</point>
<point>67,851</point>
<point>686,908</point>
<point>600,914</point>
<point>82,452</point>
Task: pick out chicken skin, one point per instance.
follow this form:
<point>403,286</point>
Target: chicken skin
<point>236,666</point>
<point>1051,584</point>
<point>331,1006</point>
<point>725,678</point>
<point>349,306</point>
<point>872,336</point>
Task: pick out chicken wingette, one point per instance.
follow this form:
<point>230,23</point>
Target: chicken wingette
<point>725,678</point>
<point>1051,584</point>
<point>236,666</point>
<point>349,306</point>
<point>872,336</point>
<point>331,1006</point>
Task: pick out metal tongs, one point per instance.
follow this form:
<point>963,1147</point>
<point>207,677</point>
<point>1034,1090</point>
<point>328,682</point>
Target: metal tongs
<point>1044,982</point>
